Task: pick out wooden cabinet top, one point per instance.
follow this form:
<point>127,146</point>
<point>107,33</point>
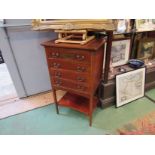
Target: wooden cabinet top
<point>92,45</point>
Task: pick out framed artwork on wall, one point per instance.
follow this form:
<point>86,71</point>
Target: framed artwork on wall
<point>120,52</point>
<point>130,86</point>
<point>145,24</point>
<point>122,25</point>
<point>146,49</point>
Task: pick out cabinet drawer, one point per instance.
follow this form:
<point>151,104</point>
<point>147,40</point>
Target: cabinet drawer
<point>71,54</point>
<point>72,85</point>
<point>71,75</point>
<point>69,65</point>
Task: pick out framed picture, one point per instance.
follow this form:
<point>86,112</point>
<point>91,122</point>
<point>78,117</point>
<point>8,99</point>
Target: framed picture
<point>120,52</point>
<point>73,24</point>
<point>146,49</point>
<point>130,86</point>
<point>145,24</point>
<point>122,25</point>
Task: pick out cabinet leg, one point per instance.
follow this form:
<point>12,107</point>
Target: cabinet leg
<point>55,100</point>
<point>90,120</point>
<point>90,111</point>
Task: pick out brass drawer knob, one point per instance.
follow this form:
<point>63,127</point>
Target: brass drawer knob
<point>80,79</point>
<point>78,68</point>
<point>56,65</point>
<point>80,57</point>
<point>55,55</point>
<point>80,87</point>
<point>58,74</point>
<point>77,56</point>
<point>58,83</point>
<point>81,69</point>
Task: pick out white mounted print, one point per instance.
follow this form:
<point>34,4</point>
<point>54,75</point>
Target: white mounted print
<point>120,52</point>
<point>130,86</point>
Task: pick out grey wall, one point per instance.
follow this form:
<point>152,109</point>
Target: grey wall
<point>11,64</point>
<point>30,56</point>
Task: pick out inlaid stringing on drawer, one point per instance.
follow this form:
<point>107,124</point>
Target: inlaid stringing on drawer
<point>69,65</point>
<point>76,55</point>
<point>72,85</point>
<point>71,75</point>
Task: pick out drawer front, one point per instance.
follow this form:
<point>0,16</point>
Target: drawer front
<point>74,76</point>
<point>72,85</point>
<point>69,65</point>
<point>71,54</point>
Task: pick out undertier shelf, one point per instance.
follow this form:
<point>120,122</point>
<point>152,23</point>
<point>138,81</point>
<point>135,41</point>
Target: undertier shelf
<point>76,102</point>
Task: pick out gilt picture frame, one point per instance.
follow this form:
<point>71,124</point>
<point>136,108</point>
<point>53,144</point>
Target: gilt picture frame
<point>130,86</point>
<point>120,51</point>
<point>73,24</point>
<point>146,49</point>
<point>145,24</point>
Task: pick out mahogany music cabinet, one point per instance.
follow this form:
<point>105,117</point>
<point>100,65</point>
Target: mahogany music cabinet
<point>76,69</point>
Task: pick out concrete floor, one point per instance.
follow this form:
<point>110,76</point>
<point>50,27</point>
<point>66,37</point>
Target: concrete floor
<point>7,89</point>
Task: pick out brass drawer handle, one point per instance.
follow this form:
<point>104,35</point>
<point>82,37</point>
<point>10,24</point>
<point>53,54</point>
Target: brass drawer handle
<point>58,74</point>
<point>55,55</point>
<point>58,83</point>
<point>80,87</point>
<point>56,65</point>
<point>81,69</point>
<point>80,79</point>
<point>80,57</point>
<point>77,56</point>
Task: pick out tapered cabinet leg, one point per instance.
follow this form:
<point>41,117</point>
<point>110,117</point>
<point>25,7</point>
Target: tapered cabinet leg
<point>55,100</point>
<point>90,120</point>
<point>90,111</point>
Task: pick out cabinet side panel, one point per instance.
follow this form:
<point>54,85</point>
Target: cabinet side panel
<point>98,67</point>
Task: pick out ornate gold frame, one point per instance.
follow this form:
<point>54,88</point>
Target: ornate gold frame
<point>73,24</point>
<point>141,42</point>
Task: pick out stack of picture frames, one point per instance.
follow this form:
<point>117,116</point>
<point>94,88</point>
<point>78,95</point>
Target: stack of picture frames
<point>121,47</point>
<point>121,51</point>
<point>130,83</point>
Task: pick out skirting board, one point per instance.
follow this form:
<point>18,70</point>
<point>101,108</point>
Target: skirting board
<point>150,85</point>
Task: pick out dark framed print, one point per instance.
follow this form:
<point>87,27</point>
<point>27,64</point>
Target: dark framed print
<point>120,51</point>
<point>130,86</point>
<point>146,49</point>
